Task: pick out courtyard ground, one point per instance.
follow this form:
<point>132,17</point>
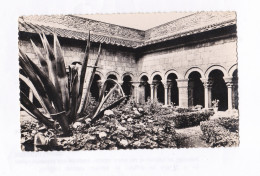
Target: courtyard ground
<point>190,138</point>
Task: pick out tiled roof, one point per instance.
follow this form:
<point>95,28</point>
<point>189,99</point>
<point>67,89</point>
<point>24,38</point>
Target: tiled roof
<point>74,27</point>
<point>79,35</point>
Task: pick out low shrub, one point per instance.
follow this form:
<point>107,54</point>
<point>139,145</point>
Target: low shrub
<point>221,132</point>
<point>188,119</point>
<point>184,110</point>
<point>230,123</point>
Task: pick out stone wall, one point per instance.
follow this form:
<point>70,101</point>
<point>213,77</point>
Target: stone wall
<point>179,60</point>
<point>115,60</point>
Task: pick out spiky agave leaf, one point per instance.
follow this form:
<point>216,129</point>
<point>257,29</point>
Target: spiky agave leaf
<point>36,82</point>
<point>44,65</point>
<point>47,84</point>
<point>83,71</point>
<point>104,99</point>
<point>86,96</point>
<point>101,113</point>
<point>52,65</point>
<point>35,93</point>
<point>74,93</point>
<point>61,73</point>
<point>29,107</point>
<point>24,62</point>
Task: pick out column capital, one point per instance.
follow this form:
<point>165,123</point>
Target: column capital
<point>207,82</point>
<point>165,85</point>
<point>135,84</point>
<point>228,79</point>
<point>182,83</point>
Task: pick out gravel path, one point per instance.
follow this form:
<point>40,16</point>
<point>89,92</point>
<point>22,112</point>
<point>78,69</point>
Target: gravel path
<point>190,138</point>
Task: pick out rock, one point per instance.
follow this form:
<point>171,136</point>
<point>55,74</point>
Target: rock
<point>134,109</point>
<point>89,137</point>
<point>88,120</point>
<point>141,110</point>
<point>123,121</point>
<point>108,112</point>
<point>130,120</point>
<point>76,125</point>
<point>136,144</point>
<point>121,128</point>
<point>102,135</point>
<point>124,143</point>
<point>34,132</point>
<point>39,139</point>
<point>137,113</point>
<point>150,121</point>
<point>114,148</point>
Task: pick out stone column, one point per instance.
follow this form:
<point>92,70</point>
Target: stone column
<point>31,95</point>
<point>165,85</point>
<point>190,92</point>
<point>207,92</point>
<point>152,91</point>
<point>183,92</point>
<point>169,93</point>
<point>230,104</point>
<point>155,92</point>
<point>100,86</point>
<point>136,91</point>
<point>229,83</point>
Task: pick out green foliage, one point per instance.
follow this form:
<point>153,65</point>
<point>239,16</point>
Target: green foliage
<point>221,132</point>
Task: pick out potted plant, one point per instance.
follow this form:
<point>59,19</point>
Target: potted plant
<point>215,105</point>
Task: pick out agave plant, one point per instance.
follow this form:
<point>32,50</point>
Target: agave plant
<point>60,94</point>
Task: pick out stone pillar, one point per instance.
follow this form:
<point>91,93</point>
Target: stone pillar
<point>183,92</point>
<point>169,93</point>
<point>229,83</point>
<point>136,91</point>
<point>100,86</point>
<point>165,93</point>
<point>207,92</point>
<point>152,91</point>
<point>230,104</point>
<point>155,92</point>
<point>190,93</point>
<point>31,95</point>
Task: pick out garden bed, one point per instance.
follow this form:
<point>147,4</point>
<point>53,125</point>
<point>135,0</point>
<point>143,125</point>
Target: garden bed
<point>221,132</point>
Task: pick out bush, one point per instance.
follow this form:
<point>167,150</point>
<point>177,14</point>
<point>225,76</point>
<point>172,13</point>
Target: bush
<point>230,123</point>
<point>188,119</point>
<point>221,132</point>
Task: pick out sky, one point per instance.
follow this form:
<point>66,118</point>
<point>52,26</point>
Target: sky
<point>142,21</point>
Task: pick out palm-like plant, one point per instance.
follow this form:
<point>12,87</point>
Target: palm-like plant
<point>61,95</point>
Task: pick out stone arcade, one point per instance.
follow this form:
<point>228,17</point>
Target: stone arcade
<point>186,62</point>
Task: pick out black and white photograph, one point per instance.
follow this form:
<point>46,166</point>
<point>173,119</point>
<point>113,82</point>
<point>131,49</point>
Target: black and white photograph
<point>129,88</point>
<point>102,82</point>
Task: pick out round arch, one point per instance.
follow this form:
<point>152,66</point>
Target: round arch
<point>157,73</point>
<point>101,75</point>
<point>216,67</point>
<point>197,69</point>
<point>113,73</point>
<point>232,69</point>
<point>172,71</point>
<point>143,74</point>
<point>128,74</point>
